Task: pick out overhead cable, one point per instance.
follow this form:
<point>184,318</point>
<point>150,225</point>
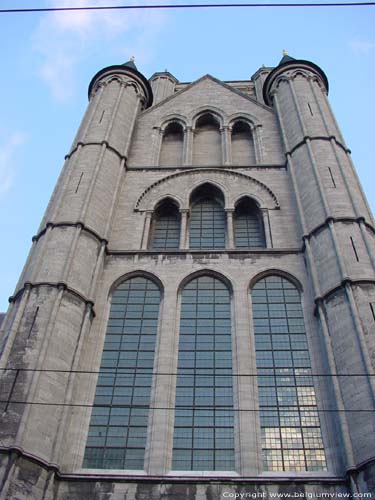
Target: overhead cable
<point>185,6</point>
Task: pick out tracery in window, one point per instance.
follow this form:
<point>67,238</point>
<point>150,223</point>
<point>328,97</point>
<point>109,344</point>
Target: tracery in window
<point>165,229</point>
<point>243,150</point>
<point>118,426</point>
<point>291,434</point>
<point>248,225</point>
<point>207,141</point>
<point>172,145</point>
<point>207,218</point>
<point>204,426</point>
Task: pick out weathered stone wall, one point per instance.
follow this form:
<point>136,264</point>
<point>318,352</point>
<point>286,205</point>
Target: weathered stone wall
<point>319,234</point>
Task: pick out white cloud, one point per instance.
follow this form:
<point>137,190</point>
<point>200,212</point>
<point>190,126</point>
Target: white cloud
<point>362,46</point>
<point>66,39</point>
<point>7,151</point>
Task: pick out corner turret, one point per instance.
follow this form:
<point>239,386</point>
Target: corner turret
<point>336,239</point>
<point>163,84</point>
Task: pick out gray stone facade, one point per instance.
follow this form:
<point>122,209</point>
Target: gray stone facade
<point>319,234</point>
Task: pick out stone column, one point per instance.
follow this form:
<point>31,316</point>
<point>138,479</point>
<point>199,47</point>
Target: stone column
<point>146,230</point>
<point>188,146</point>
<point>184,228</point>
<point>230,229</point>
<point>226,145</point>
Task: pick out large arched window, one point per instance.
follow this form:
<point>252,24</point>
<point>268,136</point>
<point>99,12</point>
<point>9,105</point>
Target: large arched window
<point>207,141</point>
<point>172,145</point>
<point>291,434</point>
<point>204,429</point>
<point>243,151</point>
<point>165,229</point>
<point>118,427</point>
<point>248,225</point>
<point>207,218</point>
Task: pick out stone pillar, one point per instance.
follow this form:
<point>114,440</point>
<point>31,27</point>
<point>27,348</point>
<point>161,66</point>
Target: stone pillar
<point>266,227</point>
<point>146,230</point>
<point>184,228</point>
<point>188,146</point>
<point>226,145</point>
<point>230,228</point>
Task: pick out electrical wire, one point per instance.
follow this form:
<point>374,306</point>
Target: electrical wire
<point>130,371</point>
<point>184,407</point>
<point>185,6</point>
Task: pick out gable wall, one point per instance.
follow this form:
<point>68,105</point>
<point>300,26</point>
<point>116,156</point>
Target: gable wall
<point>204,94</point>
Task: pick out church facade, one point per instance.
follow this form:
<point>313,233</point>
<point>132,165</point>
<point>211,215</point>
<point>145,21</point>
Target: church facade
<point>196,317</point>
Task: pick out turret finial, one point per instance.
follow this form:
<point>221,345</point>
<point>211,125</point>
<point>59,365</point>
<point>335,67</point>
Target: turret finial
<point>285,53</point>
<point>132,59</point>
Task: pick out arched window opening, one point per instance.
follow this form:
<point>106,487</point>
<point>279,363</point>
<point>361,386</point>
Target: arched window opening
<point>165,230</point>
<point>204,422</point>
<point>118,426</point>
<point>289,418</point>
<point>207,218</point>
<point>243,151</point>
<point>248,225</point>
<point>207,141</point>
<point>172,145</point>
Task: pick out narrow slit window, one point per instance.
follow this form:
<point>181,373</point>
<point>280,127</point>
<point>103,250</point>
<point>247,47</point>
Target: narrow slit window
<point>33,322</point>
<point>289,417</point>
<point>332,178</point>
<point>354,249</point>
<point>79,182</point>
<point>372,310</point>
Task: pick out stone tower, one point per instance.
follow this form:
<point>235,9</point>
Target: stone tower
<point>196,316</point>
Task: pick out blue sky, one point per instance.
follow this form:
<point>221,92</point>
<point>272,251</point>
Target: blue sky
<point>48,60</point>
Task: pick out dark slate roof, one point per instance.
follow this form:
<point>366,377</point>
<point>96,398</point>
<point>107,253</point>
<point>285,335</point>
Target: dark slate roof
<point>285,59</point>
<point>130,64</point>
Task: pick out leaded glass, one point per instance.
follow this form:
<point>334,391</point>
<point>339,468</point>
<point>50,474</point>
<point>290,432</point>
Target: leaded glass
<point>166,228</point>
<point>291,434</point>
<point>118,426</point>
<point>203,428</point>
<point>248,226</point>
<point>207,224</point>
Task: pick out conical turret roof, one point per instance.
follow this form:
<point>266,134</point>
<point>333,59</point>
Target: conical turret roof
<point>286,58</point>
<point>130,64</point>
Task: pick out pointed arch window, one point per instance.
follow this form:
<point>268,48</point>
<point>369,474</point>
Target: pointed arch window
<point>290,426</point>
<point>204,426</point>
<point>243,150</point>
<point>118,426</point>
<point>207,218</point>
<point>172,145</point>
<point>207,141</point>
<point>248,225</point>
<point>165,230</point>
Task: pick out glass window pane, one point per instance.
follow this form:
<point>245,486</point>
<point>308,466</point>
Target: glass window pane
<point>207,224</point>
<point>291,435</point>
<point>204,397</point>
<point>117,435</point>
